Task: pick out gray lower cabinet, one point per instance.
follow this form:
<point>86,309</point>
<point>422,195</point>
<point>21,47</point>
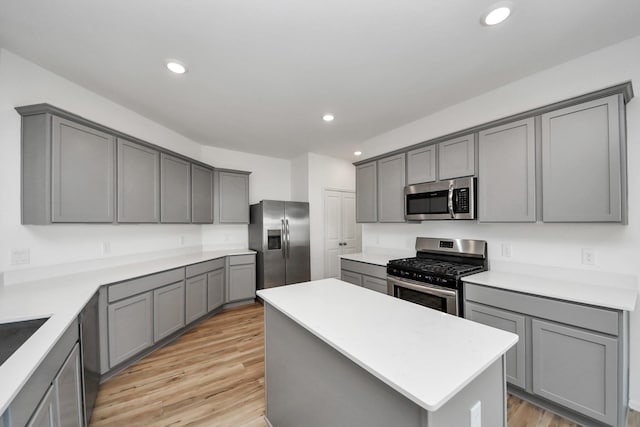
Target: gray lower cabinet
<point>353,278</point>
<point>168,310</point>
<point>584,162</point>
<point>231,202</point>
<point>507,173</point>
<point>47,413</point>
<point>138,183</point>
<point>363,274</point>
<point>456,157</point>
<point>215,289</point>
<point>421,165</point>
<point>195,298</point>
<point>576,368</point>
<point>375,284</point>
<point>68,388</point>
<point>510,322</point>
<point>130,324</point>
<point>175,190</point>
<point>201,195</point>
<point>391,182</point>
<point>367,193</point>
<point>241,278</point>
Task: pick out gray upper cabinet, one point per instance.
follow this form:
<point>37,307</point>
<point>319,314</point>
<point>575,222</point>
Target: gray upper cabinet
<point>201,195</point>
<point>168,310</point>
<point>130,327</point>
<point>577,369</point>
<point>456,157</point>
<point>215,289</point>
<point>231,203</point>
<point>583,162</point>
<point>391,183</point>
<point>421,165</point>
<point>138,183</point>
<point>506,173</point>
<point>175,189</point>
<point>367,193</point>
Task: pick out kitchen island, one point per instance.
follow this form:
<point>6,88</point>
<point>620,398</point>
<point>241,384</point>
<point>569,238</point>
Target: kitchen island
<point>340,355</point>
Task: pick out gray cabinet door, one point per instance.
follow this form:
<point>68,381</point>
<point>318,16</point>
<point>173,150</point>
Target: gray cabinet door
<point>175,190</point>
<point>138,183</point>
<point>201,195</point>
<point>510,322</point>
<point>348,276</point>
<point>421,165</point>
<point>216,289</point>
<point>576,368</point>
<point>242,282</point>
<point>367,193</point>
<point>47,413</point>
<point>581,163</point>
<point>456,157</point>
<point>374,284</point>
<point>506,173</point>
<point>195,297</point>
<point>391,182</point>
<point>130,327</point>
<point>83,173</point>
<point>168,310</point>
<point>69,391</point>
<point>232,203</point>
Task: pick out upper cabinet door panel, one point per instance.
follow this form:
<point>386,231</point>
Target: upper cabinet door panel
<point>421,165</point>
<point>366,193</point>
<point>201,195</point>
<point>456,157</point>
<point>582,163</point>
<point>391,182</point>
<point>506,173</point>
<point>138,183</point>
<point>233,201</point>
<point>175,189</point>
<point>83,173</point>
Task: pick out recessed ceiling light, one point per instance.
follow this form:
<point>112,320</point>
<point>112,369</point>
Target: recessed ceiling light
<point>357,153</point>
<point>496,15</point>
<point>176,67</point>
<point>328,117</point>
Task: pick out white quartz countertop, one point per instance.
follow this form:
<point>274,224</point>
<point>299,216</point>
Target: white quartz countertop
<point>616,294</point>
<point>61,299</point>
<point>425,355</point>
<point>377,258</point>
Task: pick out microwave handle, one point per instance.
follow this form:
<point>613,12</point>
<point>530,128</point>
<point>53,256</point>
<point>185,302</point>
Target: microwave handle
<point>450,201</point>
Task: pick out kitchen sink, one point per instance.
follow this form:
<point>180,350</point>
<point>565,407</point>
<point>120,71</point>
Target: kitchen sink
<point>14,334</point>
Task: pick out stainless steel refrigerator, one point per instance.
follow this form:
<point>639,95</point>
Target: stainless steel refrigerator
<point>279,232</point>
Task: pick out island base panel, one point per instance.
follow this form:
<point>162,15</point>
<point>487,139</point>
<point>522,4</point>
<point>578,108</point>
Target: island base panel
<point>309,383</point>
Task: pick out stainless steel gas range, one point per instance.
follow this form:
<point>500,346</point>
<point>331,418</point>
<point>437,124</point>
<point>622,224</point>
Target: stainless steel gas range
<point>433,278</point>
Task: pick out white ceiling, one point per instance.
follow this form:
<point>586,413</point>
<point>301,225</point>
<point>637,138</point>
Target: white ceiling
<point>262,73</point>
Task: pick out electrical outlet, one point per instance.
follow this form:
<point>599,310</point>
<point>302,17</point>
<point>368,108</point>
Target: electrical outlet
<point>106,248</point>
<point>588,256</point>
<point>20,256</point>
<point>475,415</point>
<point>506,250</point>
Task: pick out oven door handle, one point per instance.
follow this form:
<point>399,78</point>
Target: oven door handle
<point>423,288</point>
<point>450,201</point>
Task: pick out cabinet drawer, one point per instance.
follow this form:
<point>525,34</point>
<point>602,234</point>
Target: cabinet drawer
<point>363,268</point>
<point>242,259</point>
<point>144,284</point>
<point>588,317</point>
<point>204,267</point>
<point>353,278</point>
<point>374,284</point>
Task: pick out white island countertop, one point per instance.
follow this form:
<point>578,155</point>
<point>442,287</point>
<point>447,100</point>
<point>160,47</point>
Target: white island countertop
<point>425,355</point>
<point>61,299</point>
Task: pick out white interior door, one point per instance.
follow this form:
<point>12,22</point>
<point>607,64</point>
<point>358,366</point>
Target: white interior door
<point>342,234</point>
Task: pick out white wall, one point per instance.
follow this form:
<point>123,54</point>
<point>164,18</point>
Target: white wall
<point>616,246</point>
<point>300,178</point>
<point>23,83</point>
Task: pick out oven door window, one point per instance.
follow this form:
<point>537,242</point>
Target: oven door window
<point>427,300</point>
<point>434,202</point>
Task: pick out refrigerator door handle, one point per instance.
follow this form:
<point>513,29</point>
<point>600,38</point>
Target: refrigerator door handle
<point>288,238</point>
<point>283,238</point>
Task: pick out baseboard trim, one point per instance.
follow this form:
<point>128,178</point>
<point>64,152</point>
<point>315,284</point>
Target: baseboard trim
<point>635,405</point>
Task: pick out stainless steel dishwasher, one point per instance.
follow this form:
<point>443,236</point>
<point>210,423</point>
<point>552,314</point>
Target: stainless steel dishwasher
<point>90,352</point>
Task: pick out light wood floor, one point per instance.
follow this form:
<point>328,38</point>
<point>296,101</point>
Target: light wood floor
<point>214,376</point>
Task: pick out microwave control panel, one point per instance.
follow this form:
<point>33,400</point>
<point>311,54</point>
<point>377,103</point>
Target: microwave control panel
<point>461,200</point>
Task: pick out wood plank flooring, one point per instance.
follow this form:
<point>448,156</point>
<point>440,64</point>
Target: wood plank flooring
<point>213,376</point>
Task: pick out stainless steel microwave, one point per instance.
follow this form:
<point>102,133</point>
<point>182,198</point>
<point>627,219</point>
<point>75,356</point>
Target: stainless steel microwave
<point>453,199</point>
